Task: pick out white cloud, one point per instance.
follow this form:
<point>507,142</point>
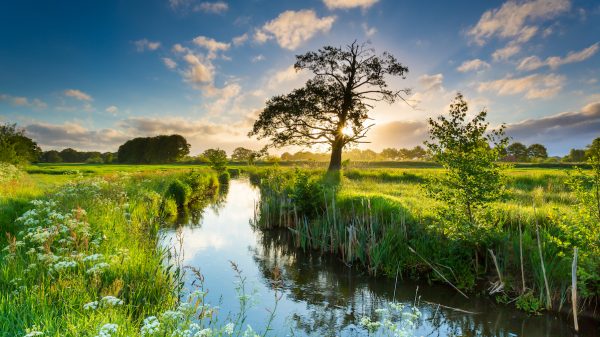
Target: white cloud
<point>239,40</point>
<point>178,48</point>
<point>369,31</point>
<point>78,94</point>
<point>212,7</point>
<point>258,58</point>
<point>112,109</point>
<point>533,86</point>
<point>145,44</point>
<point>169,63</point>
<point>76,136</point>
<point>432,82</point>
<point>23,101</point>
<point>473,65</point>
<point>515,20</point>
<point>505,53</point>
<point>260,36</point>
<point>199,70</point>
<point>292,28</point>
<point>213,46</point>
<point>533,62</point>
<point>345,4</point>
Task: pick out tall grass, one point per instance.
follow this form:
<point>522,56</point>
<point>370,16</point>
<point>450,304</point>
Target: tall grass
<point>85,255</point>
<point>373,219</point>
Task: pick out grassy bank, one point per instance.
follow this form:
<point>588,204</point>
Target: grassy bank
<point>383,220</point>
<point>80,254</point>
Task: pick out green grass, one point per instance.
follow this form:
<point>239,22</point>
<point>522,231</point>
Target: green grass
<point>377,214</point>
<point>91,237</point>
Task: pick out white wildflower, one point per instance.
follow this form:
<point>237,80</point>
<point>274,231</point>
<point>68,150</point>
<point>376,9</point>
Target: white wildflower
<point>151,326</point>
<point>91,305</point>
<point>107,330</point>
<point>229,328</point>
<point>111,301</point>
<point>97,268</point>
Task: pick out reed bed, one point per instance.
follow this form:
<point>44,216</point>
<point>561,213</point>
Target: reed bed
<point>382,220</point>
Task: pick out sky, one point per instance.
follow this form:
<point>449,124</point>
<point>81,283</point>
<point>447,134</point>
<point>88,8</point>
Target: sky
<point>92,74</point>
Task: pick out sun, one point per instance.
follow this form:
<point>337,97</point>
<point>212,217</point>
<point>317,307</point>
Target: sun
<point>347,131</point>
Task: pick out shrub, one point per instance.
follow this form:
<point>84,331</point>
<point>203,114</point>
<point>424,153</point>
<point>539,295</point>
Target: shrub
<point>234,172</point>
<point>224,178</point>
<point>180,192</point>
<point>168,208</point>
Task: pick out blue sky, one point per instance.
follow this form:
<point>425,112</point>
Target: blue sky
<point>93,74</point>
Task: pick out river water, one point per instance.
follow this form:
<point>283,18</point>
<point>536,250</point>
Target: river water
<point>321,296</point>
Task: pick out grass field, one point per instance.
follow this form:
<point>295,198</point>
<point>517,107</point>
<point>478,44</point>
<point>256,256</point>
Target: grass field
<point>84,255</point>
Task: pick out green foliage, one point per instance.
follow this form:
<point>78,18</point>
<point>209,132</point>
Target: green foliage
<point>169,208</point>
<point>306,194</point>
<point>224,178</point>
<point>217,159</point>
<point>180,192</point>
<point>587,185</point>
<point>15,147</point>
<point>529,303</point>
<point>537,151</point>
<point>468,151</point>
<point>152,150</point>
<point>518,152</point>
<point>233,172</point>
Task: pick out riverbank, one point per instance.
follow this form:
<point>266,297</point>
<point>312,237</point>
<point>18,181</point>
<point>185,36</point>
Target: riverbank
<point>382,220</point>
<point>80,254</point>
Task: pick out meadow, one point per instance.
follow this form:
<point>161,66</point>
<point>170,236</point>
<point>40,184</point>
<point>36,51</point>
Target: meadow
<point>81,257</point>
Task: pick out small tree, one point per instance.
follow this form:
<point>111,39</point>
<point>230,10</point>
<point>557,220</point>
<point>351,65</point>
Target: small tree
<point>390,153</point>
<point>537,151</point>
<point>241,154</point>
<point>575,156</point>
<point>15,147</point>
<point>518,152</point>
<point>217,159</point>
<point>587,186</point>
<point>469,153</point>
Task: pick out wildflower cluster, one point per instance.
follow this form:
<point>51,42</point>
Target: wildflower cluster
<point>9,172</point>
<point>396,320</point>
<point>194,318</point>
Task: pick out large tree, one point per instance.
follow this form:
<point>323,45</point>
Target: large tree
<point>333,106</point>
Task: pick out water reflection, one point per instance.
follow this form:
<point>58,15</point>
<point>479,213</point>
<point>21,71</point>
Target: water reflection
<point>322,296</point>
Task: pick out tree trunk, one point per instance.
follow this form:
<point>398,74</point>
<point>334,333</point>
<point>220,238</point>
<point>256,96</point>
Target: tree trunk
<point>335,163</point>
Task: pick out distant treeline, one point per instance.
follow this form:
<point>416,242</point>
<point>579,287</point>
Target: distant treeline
<point>16,148</point>
<point>70,155</point>
<point>154,150</point>
<point>144,150</point>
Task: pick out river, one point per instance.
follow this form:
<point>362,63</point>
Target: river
<point>321,296</point>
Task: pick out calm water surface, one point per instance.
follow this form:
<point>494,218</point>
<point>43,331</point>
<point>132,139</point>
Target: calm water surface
<point>321,295</point>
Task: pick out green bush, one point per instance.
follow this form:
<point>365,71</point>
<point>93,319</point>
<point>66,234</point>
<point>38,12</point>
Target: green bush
<point>234,172</point>
<point>180,192</point>
<point>224,178</point>
<point>168,208</point>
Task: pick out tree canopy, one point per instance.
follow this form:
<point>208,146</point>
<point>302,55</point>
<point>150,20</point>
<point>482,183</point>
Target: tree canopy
<point>333,106</point>
<point>153,150</point>
<point>15,147</point>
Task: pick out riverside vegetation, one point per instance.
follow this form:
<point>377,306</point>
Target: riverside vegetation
<point>81,257</point>
<point>384,220</point>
